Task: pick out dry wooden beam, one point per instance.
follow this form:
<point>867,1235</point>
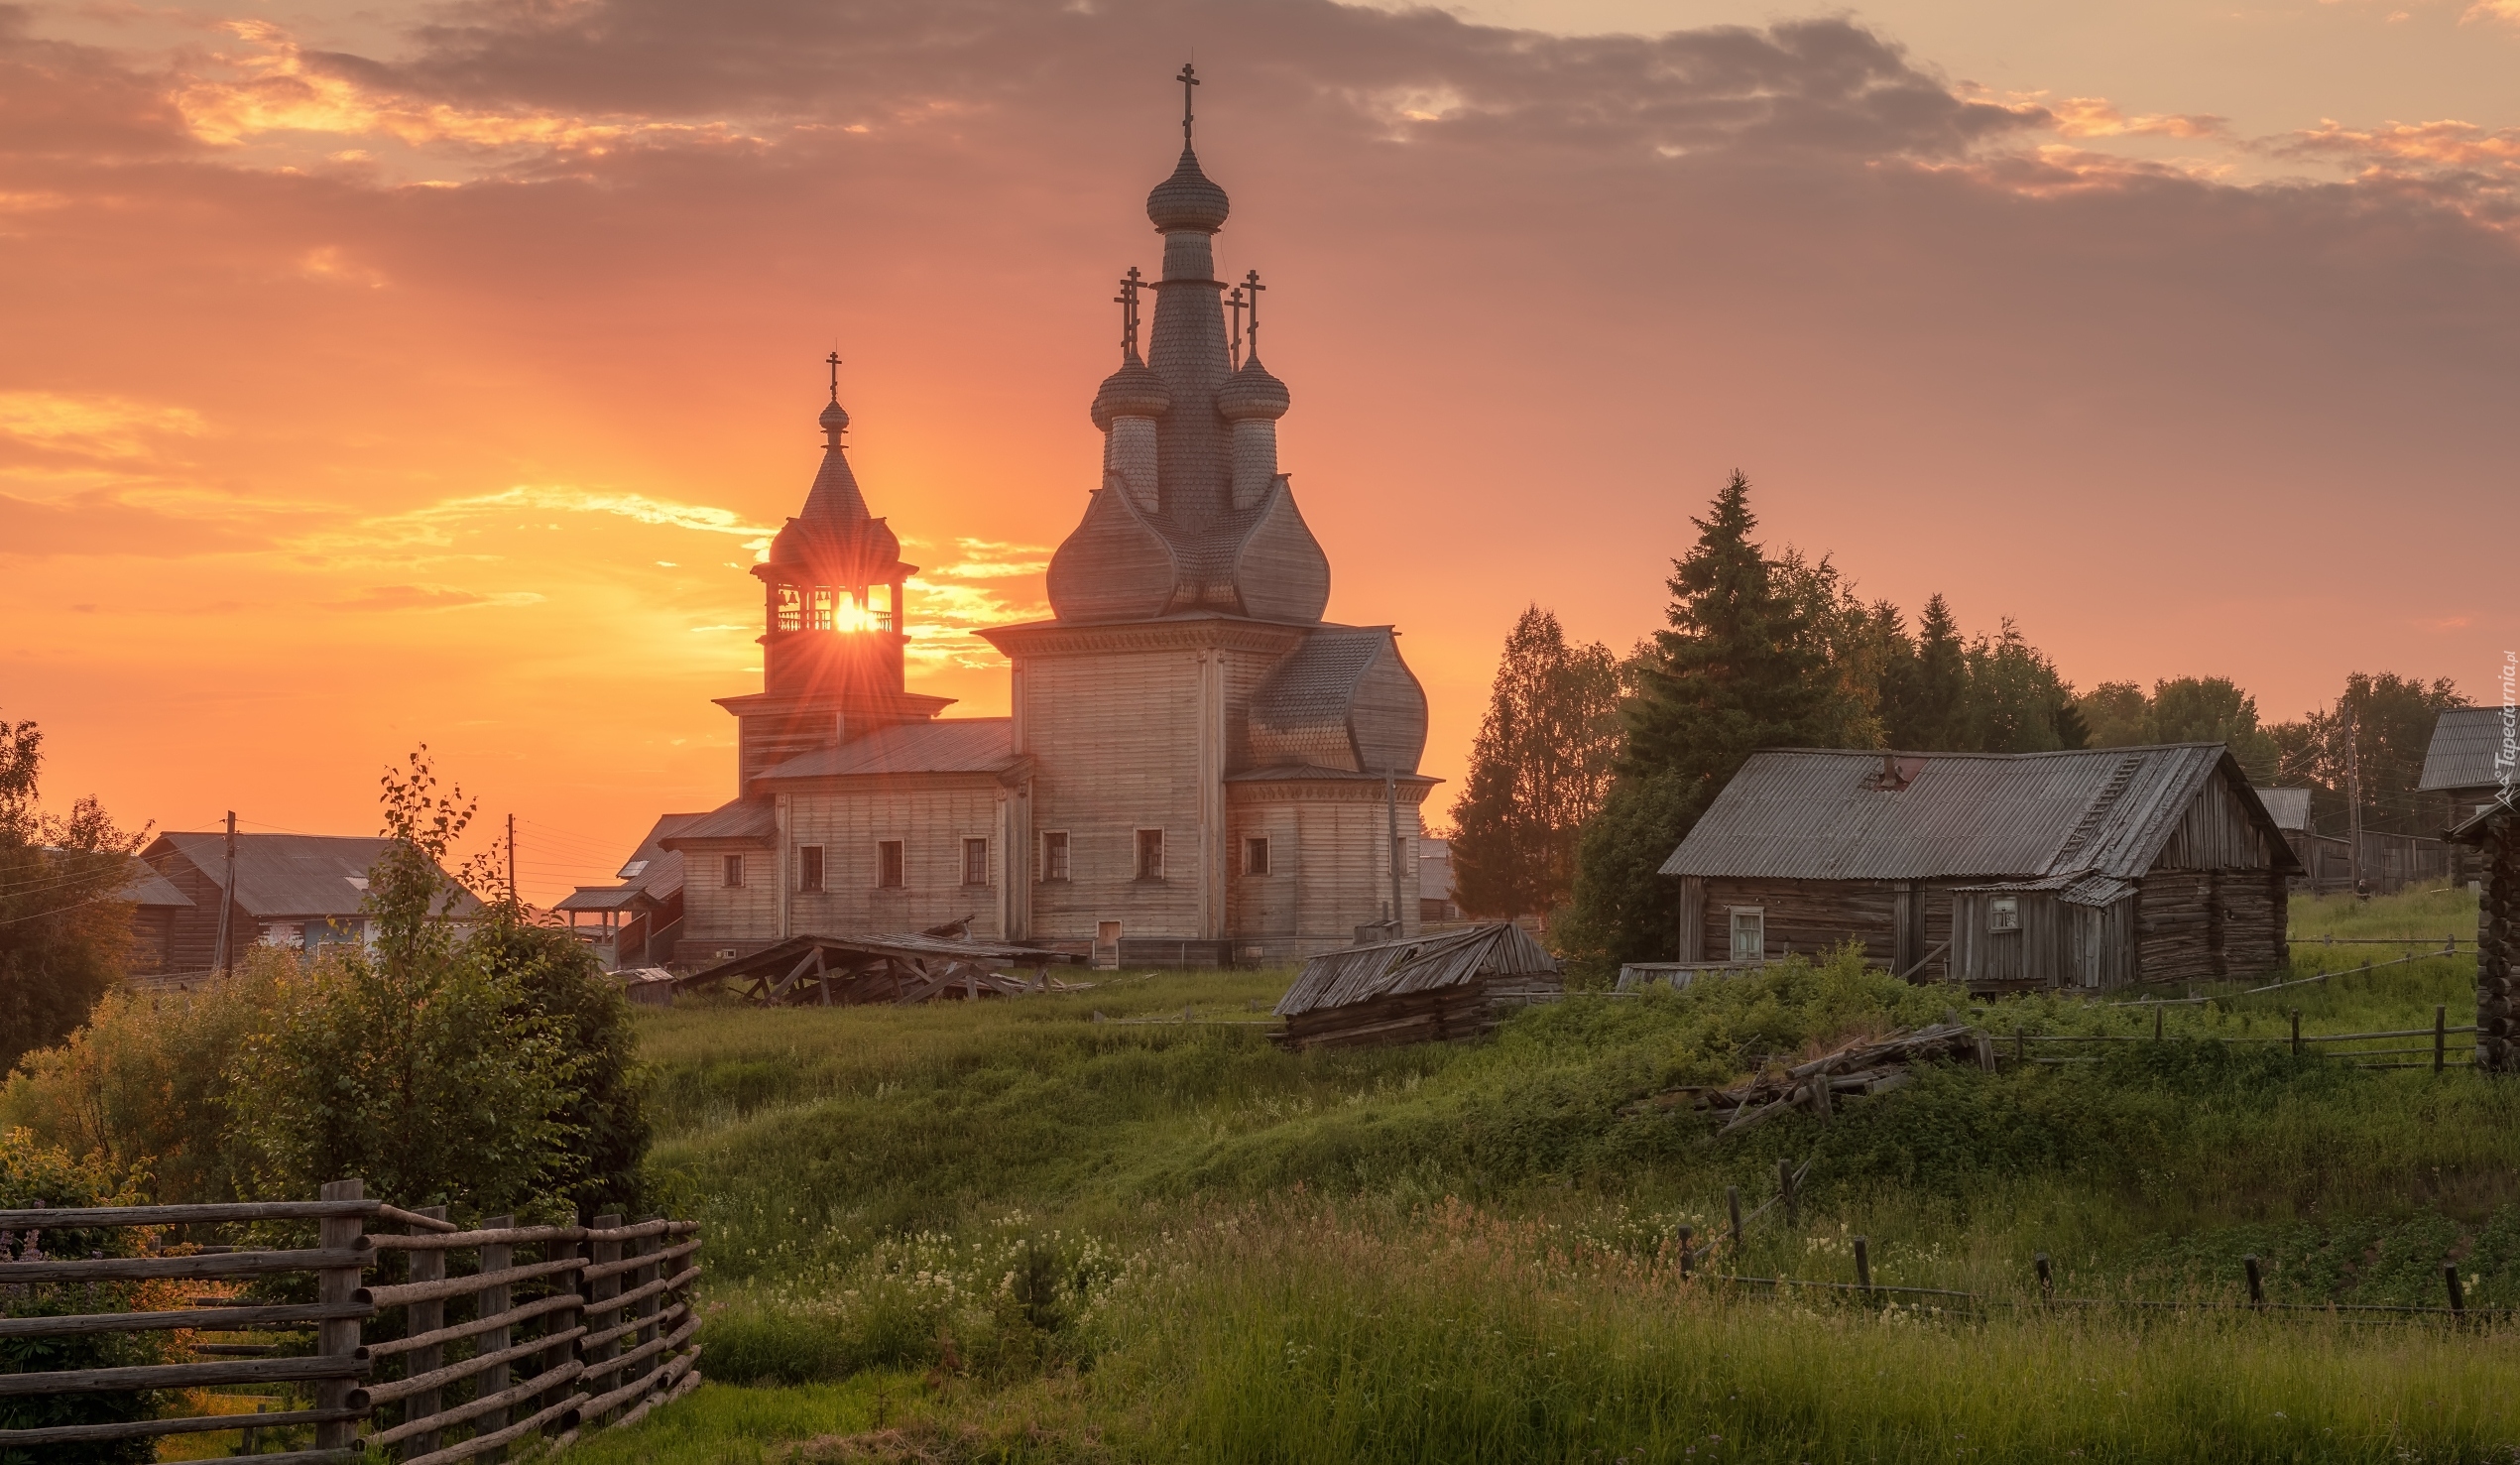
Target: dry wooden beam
<point>447,1241</point>
<point>564,1302</point>
<point>226,1263</point>
<point>190,1425</point>
<point>475,1409</point>
<point>482,1443</point>
<point>183,1376</point>
<point>204,1319</point>
<point>633,1264</point>
<point>455,1287</point>
<point>465,1368</point>
<point>184,1215</point>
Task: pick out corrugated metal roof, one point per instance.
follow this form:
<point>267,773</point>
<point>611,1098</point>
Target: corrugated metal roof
<point>283,874</point>
<point>2288,808</point>
<point>1824,814</point>
<point>605,898</point>
<point>2465,741</point>
<point>1390,968</point>
<point>149,888</point>
<point>961,745</point>
<point>741,818</point>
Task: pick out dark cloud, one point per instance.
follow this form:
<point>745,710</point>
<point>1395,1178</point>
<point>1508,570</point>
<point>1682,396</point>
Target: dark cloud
<point>63,100</point>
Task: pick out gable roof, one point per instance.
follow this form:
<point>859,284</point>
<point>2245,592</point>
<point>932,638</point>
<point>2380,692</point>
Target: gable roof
<point>2288,808</point>
<point>960,745</point>
<point>1390,968</point>
<point>149,888</point>
<point>1824,814</point>
<point>2465,741</point>
<point>279,874</point>
<point>750,818</point>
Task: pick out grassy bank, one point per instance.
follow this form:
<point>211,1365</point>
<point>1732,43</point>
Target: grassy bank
<point>1085,1234</point>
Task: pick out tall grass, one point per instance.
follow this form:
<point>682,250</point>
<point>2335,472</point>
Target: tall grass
<point>1064,1238</point>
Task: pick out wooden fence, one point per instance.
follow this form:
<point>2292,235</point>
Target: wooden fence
<point>490,1336</point>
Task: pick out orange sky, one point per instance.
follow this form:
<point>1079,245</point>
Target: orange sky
<point>373,377</point>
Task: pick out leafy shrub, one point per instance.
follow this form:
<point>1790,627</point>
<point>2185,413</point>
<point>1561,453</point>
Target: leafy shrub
<point>31,1175</point>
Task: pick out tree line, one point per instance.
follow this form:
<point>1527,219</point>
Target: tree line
<point>1589,767</point>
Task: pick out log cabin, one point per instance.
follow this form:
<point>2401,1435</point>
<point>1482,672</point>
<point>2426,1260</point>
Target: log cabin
<point>302,892</point>
<point>1196,768</point>
<point>2090,868</point>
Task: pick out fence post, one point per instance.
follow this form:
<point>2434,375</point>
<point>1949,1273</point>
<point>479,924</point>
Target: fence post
<point>424,1317</point>
<point>490,1301</point>
<point>555,1323</point>
<point>2157,1011</point>
<point>2449,1279</point>
<point>1863,1265</point>
<point>648,1306</point>
<point>2257,1284</point>
<point>2296,1033</point>
<point>1733,1207</point>
<point>1785,1190</point>
<point>1685,1234</point>
<point>2441,1036</point>
<point>2047,1278</point>
<point>338,1337</point>
<point>599,1319</point>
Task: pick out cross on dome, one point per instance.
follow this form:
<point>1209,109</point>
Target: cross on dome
<point>1188,79</point>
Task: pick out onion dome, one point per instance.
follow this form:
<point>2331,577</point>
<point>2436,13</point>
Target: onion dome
<point>1252,394</point>
<point>1187,199</point>
<point>1134,391</point>
<point>835,418</point>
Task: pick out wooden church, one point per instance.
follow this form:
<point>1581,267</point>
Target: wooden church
<point>1198,769</point>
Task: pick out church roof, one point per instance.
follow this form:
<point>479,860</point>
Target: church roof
<point>1318,681</point>
<point>961,745</point>
<point>750,818</point>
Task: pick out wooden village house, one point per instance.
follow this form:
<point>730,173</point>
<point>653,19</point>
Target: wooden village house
<point>2468,765</point>
<point>1197,769</point>
<point>303,892</point>
<point>2091,868</point>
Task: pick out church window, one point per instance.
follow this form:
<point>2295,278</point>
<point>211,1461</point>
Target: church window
<point>1054,854</point>
<point>733,869</point>
<point>1150,854</point>
<point>791,609</point>
<point>820,615</point>
<point>1750,934</point>
<point>892,866</point>
<point>975,862</point>
<point>1255,855</point>
<point>809,867</point>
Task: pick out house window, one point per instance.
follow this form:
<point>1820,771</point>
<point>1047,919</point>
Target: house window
<point>2003,914</point>
<point>810,868</point>
<point>734,871</point>
<point>792,608</point>
<point>1054,854</point>
<point>975,862</point>
<point>892,869</point>
<point>1750,934</point>
<point>1255,855</point>
<point>1150,854</point>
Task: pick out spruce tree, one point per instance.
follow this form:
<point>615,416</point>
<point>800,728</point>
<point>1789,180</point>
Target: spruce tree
<point>1937,695</point>
<point>1741,668</point>
<point>1538,771</point>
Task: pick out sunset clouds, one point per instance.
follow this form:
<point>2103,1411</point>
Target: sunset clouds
<point>439,378</point>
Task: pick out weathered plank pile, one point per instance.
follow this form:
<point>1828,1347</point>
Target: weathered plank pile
<point>1430,990</point>
<point>1865,1065</point>
<point>842,972</point>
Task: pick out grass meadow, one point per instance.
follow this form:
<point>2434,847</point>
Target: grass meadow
<point>1080,1226</point>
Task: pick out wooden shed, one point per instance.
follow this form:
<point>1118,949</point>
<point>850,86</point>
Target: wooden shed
<point>2493,832</point>
<point>2089,868</point>
<point>1424,990</point>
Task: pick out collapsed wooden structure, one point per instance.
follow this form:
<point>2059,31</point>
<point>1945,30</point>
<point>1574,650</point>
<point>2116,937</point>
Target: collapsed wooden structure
<point>903,969</point>
<point>1862,1066</point>
<point>1433,988</point>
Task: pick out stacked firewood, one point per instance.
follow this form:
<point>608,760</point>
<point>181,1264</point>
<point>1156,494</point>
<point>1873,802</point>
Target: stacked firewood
<point>1863,1066</point>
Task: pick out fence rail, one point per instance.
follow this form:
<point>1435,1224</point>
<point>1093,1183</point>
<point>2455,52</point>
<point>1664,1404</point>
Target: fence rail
<point>593,1330</point>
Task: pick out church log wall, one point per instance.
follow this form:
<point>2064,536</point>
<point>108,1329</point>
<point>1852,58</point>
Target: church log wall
<point>1120,731</point>
<point>717,916</point>
<point>932,816</point>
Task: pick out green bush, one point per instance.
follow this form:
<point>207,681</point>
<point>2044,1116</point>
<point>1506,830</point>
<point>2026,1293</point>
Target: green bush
<point>32,1175</point>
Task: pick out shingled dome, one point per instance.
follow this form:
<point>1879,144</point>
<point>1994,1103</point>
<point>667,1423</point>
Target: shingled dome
<point>1134,391</point>
<point>834,418</point>
<point>1252,394</point>
<point>1187,199</point>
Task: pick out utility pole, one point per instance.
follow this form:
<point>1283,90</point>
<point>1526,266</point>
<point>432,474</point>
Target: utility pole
<point>2354,799</point>
<point>227,904</point>
<point>512,859</point>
